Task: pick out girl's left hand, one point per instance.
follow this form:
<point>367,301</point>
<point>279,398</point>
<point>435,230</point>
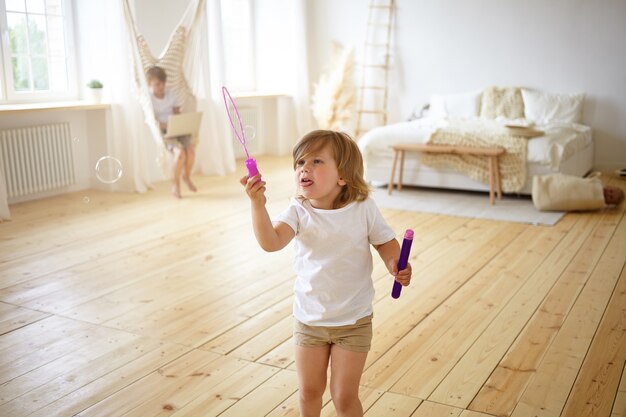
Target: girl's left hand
<point>404,276</point>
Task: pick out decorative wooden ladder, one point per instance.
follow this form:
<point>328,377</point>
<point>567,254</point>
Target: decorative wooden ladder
<point>373,90</point>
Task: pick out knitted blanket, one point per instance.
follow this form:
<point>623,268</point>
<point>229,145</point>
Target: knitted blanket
<point>481,133</point>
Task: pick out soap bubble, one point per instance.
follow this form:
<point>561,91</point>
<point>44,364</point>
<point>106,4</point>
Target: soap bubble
<point>75,139</point>
<point>249,132</point>
<point>86,200</point>
<point>108,169</point>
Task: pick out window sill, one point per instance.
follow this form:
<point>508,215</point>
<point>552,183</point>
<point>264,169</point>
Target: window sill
<point>254,94</point>
<point>59,105</point>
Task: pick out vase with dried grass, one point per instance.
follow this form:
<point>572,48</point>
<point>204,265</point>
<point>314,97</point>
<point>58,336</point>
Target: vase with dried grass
<point>334,97</point>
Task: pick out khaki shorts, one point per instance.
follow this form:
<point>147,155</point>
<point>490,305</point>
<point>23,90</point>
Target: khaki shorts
<point>182,142</point>
<point>356,337</point>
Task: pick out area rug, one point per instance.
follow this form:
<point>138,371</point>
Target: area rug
<point>511,208</point>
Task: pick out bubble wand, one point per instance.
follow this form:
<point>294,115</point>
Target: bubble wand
<point>240,134</point>
<point>403,261</point>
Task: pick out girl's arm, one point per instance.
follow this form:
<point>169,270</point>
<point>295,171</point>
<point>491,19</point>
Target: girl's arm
<point>390,253</point>
<point>271,238</point>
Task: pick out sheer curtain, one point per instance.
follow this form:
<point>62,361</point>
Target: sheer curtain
<point>301,86</point>
<point>282,65</point>
<point>193,85</point>
<point>129,138</point>
<point>215,150</point>
<point>295,115</point>
<point>104,51</point>
<point>4,206</point>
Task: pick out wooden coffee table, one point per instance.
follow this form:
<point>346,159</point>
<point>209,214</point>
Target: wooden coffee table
<point>492,154</point>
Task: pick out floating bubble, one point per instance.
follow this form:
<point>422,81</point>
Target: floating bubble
<point>108,169</point>
<point>86,200</point>
<point>75,139</point>
<point>249,132</point>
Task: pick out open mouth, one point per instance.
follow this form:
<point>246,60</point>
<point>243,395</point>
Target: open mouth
<point>306,182</point>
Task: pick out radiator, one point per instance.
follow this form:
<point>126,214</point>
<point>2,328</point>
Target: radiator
<point>36,159</point>
<point>249,117</point>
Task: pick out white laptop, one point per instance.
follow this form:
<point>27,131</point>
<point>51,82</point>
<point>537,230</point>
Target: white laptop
<point>183,124</point>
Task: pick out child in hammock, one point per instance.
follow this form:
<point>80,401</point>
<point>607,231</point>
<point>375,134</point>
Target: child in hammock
<point>165,104</point>
<point>333,222</point>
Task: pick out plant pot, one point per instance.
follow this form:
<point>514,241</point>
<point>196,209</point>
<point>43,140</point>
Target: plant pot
<point>94,95</point>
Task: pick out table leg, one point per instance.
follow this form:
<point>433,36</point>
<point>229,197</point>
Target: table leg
<point>491,197</point>
<point>498,180</point>
<point>401,170</point>
<point>393,171</point>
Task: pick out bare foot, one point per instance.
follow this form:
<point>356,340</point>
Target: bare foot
<point>176,191</point>
<point>190,184</point>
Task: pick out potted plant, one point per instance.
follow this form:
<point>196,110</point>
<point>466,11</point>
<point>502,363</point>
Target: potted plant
<point>94,91</point>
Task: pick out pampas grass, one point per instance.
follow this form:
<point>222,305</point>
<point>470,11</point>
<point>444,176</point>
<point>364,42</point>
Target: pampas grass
<point>335,93</point>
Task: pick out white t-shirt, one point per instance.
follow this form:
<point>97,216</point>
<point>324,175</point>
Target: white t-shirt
<point>164,107</point>
<point>333,260</point>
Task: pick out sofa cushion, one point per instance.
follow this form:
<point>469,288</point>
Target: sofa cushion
<point>463,105</point>
<point>506,102</point>
<point>544,108</point>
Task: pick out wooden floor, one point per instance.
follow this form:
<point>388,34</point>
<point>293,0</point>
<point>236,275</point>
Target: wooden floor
<point>141,305</point>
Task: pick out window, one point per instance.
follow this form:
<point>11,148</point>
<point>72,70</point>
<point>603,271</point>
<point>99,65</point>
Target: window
<point>238,38</point>
<point>35,60</point>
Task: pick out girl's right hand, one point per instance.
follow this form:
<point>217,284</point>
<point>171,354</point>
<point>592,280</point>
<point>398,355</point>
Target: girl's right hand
<point>255,188</point>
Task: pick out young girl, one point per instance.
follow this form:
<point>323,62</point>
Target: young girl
<point>165,104</point>
<point>333,222</point>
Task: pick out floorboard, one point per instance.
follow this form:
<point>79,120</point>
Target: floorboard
<point>619,405</point>
<point>143,305</point>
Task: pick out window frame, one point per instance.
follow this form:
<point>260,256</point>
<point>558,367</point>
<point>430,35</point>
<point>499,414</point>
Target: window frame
<point>8,95</point>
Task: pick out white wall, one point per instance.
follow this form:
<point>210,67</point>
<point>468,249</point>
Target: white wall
<point>88,144</point>
<point>447,46</point>
<point>156,20</point>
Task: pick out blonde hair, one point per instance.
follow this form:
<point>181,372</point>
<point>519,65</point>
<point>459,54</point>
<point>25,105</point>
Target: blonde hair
<point>347,157</point>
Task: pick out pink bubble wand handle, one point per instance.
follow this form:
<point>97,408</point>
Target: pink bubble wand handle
<point>403,261</point>
<point>240,134</point>
<point>252,169</point>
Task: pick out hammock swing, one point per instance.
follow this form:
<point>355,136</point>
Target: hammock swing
<point>185,60</point>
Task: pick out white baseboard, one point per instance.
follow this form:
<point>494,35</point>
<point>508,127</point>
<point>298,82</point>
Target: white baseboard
<point>608,166</point>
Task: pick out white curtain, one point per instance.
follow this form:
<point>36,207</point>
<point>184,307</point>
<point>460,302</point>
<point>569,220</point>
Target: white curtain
<point>127,135</point>
<point>104,52</point>
<point>215,155</point>
<point>129,138</point>
<point>215,150</point>
<point>294,114</point>
<point>282,65</point>
<point>300,89</point>
<point>4,206</point>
